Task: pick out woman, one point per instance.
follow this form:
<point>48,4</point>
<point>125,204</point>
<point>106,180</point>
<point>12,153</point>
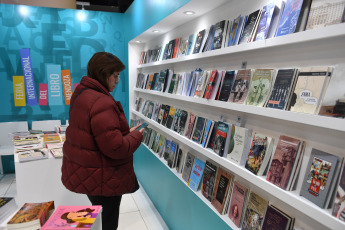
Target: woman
<point>99,146</point>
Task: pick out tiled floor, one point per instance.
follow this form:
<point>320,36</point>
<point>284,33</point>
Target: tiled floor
<point>136,212</point>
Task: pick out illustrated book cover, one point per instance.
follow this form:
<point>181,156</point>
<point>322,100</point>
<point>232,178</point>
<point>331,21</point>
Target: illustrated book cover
<point>194,181</point>
<point>250,26</point>
<point>240,87</point>
<point>199,129</point>
<point>209,180</point>
<point>289,17</point>
<point>240,142</point>
<point>222,190</point>
<point>187,168</point>
<point>339,202</point>
<point>255,212</point>
<point>238,202</point>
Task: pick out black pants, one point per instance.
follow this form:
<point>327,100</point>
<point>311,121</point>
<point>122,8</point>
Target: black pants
<point>110,211</point>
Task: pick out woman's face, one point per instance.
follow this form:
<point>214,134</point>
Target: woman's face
<point>113,80</point>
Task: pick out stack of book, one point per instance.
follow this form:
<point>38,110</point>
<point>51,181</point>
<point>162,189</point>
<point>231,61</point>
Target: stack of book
<point>7,207</point>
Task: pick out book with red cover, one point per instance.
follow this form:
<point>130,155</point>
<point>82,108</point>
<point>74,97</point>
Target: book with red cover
<point>211,83</point>
<point>73,217</point>
<point>222,188</point>
<point>237,203</point>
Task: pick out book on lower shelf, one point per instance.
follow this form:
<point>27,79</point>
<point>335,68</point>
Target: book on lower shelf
<point>187,168</point>
<point>239,145</point>
<point>196,174</point>
<point>7,207</point>
<point>31,216</point>
<point>222,191</point>
<point>276,219</point>
<point>238,203</point>
<point>74,217</point>
<point>259,154</point>
<point>321,177</point>
<point>209,180</point>
<point>339,202</point>
<point>255,212</point>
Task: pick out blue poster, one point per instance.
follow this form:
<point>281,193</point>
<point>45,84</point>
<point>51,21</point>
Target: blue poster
<point>55,93</point>
<point>28,77</point>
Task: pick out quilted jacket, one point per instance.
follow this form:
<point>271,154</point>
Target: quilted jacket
<point>98,151</point>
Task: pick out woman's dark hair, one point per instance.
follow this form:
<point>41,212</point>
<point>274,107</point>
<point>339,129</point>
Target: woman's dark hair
<point>102,65</point>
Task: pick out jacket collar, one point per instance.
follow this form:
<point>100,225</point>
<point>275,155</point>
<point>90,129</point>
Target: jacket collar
<point>94,84</point>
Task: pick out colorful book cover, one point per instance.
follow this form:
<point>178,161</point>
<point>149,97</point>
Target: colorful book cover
<point>322,171</point>
<point>172,154</point>
<point>191,40</point>
<point>211,84</point>
<point>187,168</point>
<point>50,138</point>
<point>260,87</point>
<point>234,30</point>
<point>290,17</point>
<point>209,180</point>
<point>196,174</point>
<point>170,117</point>
<point>339,202</point>
<point>283,162</point>
<point>199,129</point>
<point>165,115</point>
<point>161,146</point>
<point>259,153</point>
<point>222,187</point>
<point>237,203</point>
<point>255,212</point>
<point>265,21</point>
<point>240,87</point>
<point>155,143</point>
<point>208,128</point>
<point>160,80</point>
<point>309,90</point>
<point>281,90</point>
<point>173,83</point>
<point>220,138</point>
<point>73,217</point>
<point>226,86</point>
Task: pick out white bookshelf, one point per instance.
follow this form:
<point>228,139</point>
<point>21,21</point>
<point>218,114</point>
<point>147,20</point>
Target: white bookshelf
<point>323,46</point>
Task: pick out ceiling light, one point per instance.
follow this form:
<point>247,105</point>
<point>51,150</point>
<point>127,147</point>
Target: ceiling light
<point>189,12</point>
<point>155,31</point>
<point>81,15</point>
<point>24,10</point>
<point>138,41</point>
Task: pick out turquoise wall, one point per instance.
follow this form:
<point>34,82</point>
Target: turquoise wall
<point>55,36</point>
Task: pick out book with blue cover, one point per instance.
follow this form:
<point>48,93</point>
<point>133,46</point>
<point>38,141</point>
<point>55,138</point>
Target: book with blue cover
<point>190,45</point>
<point>265,21</point>
<point>290,17</point>
<point>206,135</point>
<point>196,174</point>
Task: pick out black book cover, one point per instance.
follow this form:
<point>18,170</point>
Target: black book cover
<point>165,73</point>
<point>218,35</point>
<point>170,49</point>
<point>228,81</point>
<point>165,115</point>
<point>213,134</point>
<point>161,114</point>
<point>198,41</point>
<point>199,129</point>
<point>209,40</point>
<point>248,28</point>
<point>165,52</point>
<point>182,122</point>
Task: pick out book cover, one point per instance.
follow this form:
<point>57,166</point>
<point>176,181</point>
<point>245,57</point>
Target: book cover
<point>161,114</point>
<point>220,138</point>
<point>218,35</point>
<point>173,83</point>
<point>165,114</point>
<point>73,217</point>
<point>187,168</point>
<point>309,90</point>
<point>265,21</point>
<point>152,138</point>
<point>259,153</point>
<point>181,156</point>
<point>239,145</point>
<point>240,87</point>
<point>196,174</point>
<point>324,13</point>
<point>207,131</point>
<point>281,90</point>
<point>222,187</point>
<point>190,125</point>
<point>209,40</point>
<point>249,26</point>
<point>172,154</point>
<point>339,202</point>
<point>199,129</point>
<point>227,84</point>
<point>198,41</point>
<point>284,161</point>
<point>57,152</point>
<point>255,212</point>
<point>155,112</point>
<point>31,214</point>
<point>210,141</point>
<point>191,40</point>
<point>290,17</point>
<point>209,180</point>
<point>260,87</point>
<point>161,146</point>
<point>182,122</point>
<point>237,203</point>
<point>170,117</point>
<point>155,143</point>
<point>50,138</point>
<point>318,183</point>
<point>32,155</point>
<point>167,149</point>
<point>211,84</point>
<point>160,80</point>
<point>234,30</point>
<point>276,219</point>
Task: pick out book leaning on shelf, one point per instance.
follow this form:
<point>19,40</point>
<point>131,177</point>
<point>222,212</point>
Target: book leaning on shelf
<point>238,203</point>
<point>31,216</point>
<point>209,180</point>
<point>339,202</point>
<point>188,165</point>
<point>239,145</point>
<point>277,219</point>
<point>255,212</point>
<point>74,217</point>
<point>194,181</point>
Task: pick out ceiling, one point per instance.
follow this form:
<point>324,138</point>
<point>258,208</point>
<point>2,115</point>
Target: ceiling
<point>119,6</point>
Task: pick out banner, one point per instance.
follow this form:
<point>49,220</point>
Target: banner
<point>54,84</point>
<point>28,77</point>
<point>43,96</point>
<point>19,91</point>
<point>67,85</point>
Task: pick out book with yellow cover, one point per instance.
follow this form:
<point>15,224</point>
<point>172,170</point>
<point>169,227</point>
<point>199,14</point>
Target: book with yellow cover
<point>51,138</point>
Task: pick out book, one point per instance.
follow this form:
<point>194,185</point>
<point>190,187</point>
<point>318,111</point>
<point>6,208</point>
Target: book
<point>208,130</point>
<point>170,117</point>
<point>194,181</point>
<point>259,153</point>
<point>211,84</point>
<point>198,130</point>
<point>191,40</point>
<point>161,114</point>
<point>238,203</point>
<point>209,40</point>
<point>32,155</point>
<point>219,34</point>
<point>198,41</point>
<point>172,154</point>
<point>303,16</point>
<point>222,190</point>
<point>152,138</point>
<point>310,88</point>
<point>155,143</point>
<point>284,161</point>
<point>51,138</point>
<point>249,27</point>
<point>240,87</point>
<point>216,89</point>
<point>234,30</point>
<point>209,180</point>
<point>239,145</point>
<point>182,122</point>
<point>281,91</point>
<point>173,83</point>
<point>330,12</point>
<point>7,207</point>
<point>74,217</point>
<point>161,78</point>
<point>265,21</point>
<point>190,125</point>
<point>289,17</point>
<point>227,84</point>
<point>161,145</point>
<point>181,156</point>
<point>187,168</point>
<point>255,212</point>
<point>338,209</point>
<point>167,149</point>
<point>56,152</point>
<point>221,139</point>
<point>165,114</point>
<point>260,87</point>
<point>168,76</point>
<point>320,177</point>
<point>31,216</point>
<point>277,219</point>
<point>211,136</point>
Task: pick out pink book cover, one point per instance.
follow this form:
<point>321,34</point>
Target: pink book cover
<point>236,203</point>
<point>72,217</point>
<point>283,161</point>
<point>43,90</point>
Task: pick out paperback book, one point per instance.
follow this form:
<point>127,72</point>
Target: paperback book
<point>187,168</point>
<point>196,174</point>
<point>227,84</point>
<point>238,203</point>
<point>255,212</point>
<point>277,219</point>
<point>209,180</point>
<point>290,17</point>
<point>240,87</point>
<point>240,142</point>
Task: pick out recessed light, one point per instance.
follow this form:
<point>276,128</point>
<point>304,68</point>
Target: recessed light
<point>189,12</point>
<point>138,41</point>
<point>155,31</point>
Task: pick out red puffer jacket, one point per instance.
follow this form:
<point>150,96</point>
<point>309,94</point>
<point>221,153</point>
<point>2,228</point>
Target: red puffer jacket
<point>98,151</point>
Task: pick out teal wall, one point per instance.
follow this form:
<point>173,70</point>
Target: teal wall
<point>55,36</point>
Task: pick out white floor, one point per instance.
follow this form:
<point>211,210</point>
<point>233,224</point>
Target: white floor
<point>136,212</point>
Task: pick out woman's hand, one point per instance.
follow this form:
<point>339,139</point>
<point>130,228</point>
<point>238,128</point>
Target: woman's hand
<point>135,127</point>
